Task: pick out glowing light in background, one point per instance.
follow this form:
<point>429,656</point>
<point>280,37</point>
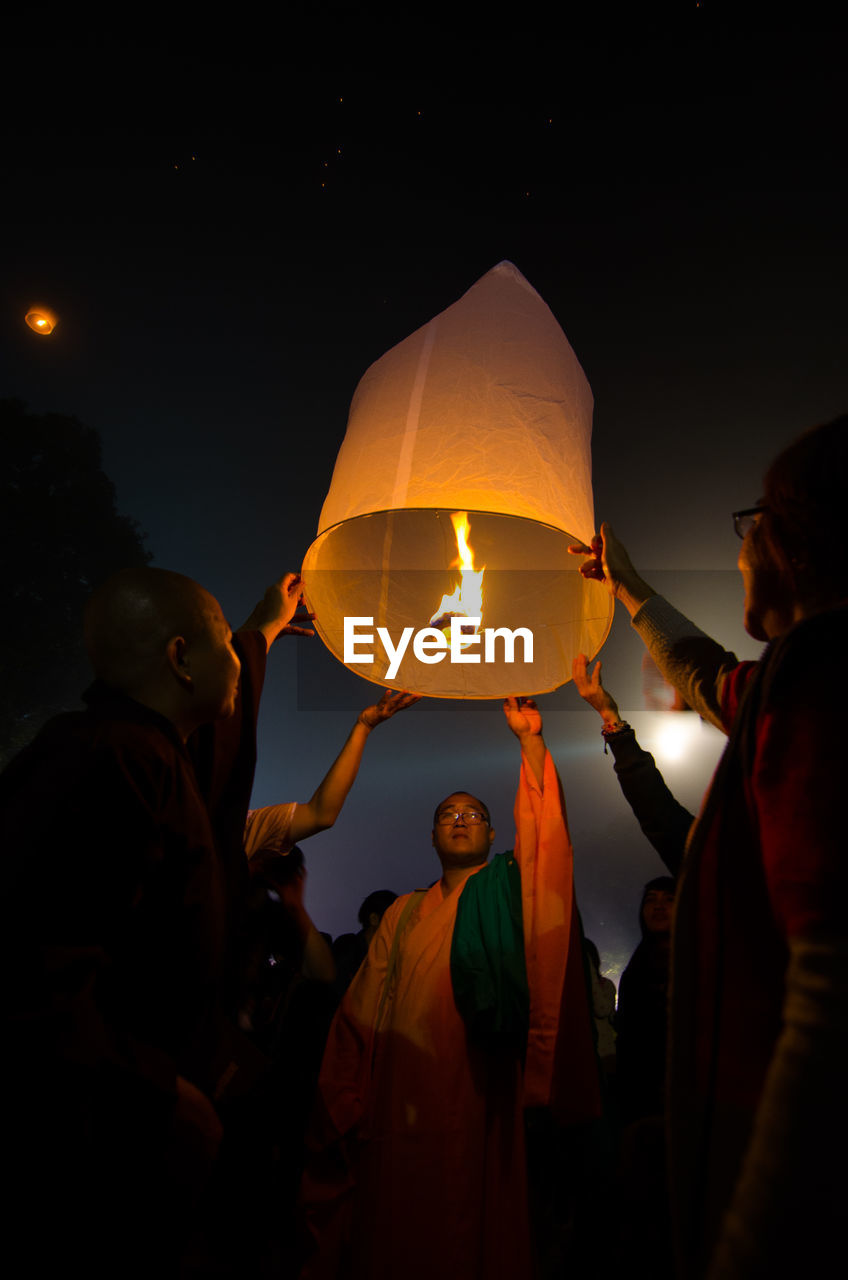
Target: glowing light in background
<point>41,320</point>
<point>676,735</point>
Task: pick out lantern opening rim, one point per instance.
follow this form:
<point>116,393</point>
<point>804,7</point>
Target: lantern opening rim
<point>444,509</point>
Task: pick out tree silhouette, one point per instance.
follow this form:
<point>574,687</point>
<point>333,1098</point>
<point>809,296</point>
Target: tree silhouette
<point>60,535</point>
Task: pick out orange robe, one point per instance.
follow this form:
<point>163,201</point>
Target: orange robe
<point>417,1165</point>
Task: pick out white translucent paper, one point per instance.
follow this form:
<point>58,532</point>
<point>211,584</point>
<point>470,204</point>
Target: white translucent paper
<point>486,410</point>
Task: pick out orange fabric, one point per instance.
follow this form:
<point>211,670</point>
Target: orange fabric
<point>561,1070</point>
<point>418,1150</point>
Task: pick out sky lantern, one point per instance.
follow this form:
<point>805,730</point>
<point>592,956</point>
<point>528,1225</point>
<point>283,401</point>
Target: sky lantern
<point>41,320</point>
<point>441,562</point>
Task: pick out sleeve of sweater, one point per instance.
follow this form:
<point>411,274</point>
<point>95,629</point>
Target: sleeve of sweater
<point>663,819</point>
<point>692,662</point>
<point>787,1212</point>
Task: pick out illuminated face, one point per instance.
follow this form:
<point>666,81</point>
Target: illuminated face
<point>768,610</point>
<point>462,843</point>
<point>214,664</point>
<point>657,909</point>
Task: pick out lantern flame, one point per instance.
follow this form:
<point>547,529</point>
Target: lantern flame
<point>467,597</point>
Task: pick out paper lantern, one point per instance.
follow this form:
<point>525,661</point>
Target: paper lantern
<point>483,413</point>
<point>41,320</point>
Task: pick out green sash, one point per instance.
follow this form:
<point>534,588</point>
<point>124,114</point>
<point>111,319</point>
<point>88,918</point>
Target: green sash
<point>488,971</point>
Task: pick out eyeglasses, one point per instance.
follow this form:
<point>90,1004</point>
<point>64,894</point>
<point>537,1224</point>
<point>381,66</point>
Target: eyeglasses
<point>450,817</point>
<point>744,521</point>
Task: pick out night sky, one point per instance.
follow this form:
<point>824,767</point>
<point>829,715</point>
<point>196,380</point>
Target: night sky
<point>232,229</point>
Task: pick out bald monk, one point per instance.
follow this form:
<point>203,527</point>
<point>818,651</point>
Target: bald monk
<point>418,1164</point>
<point>114,909</point>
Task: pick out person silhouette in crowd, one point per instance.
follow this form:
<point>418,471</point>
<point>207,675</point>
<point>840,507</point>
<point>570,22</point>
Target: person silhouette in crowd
<point>758,1053</point>
<point>288,1002</point>
<point>642,1234</point>
<point>603,1009</point>
<point>643,1008</point>
<point>282,983</point>
<point>642,1013</point>
<point>115,916</point>
<point>350,949</point>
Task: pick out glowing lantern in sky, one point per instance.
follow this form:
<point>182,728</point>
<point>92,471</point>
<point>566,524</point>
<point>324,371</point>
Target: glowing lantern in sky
<point>474,432</point>
<point>41,320</point>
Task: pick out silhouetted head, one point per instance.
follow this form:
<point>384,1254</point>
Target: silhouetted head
<point>794,558</point>
<point>274,870</point>
<point>657,906</point>
<point>376,904</point>
<point>163,639</point>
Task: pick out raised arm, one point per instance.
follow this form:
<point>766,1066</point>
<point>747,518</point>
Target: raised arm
<point>321,811</point>
<point>559,1006</point>
<point>693,663</point>
<point>663,820</point>
<point>591,690</point>
<point>525,721</point>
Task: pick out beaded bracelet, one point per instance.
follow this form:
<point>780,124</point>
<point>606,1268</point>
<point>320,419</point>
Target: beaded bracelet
<point>612,730</point>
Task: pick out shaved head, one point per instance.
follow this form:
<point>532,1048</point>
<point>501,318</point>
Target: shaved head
<point>131,617</point>
<point>468,796</point>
